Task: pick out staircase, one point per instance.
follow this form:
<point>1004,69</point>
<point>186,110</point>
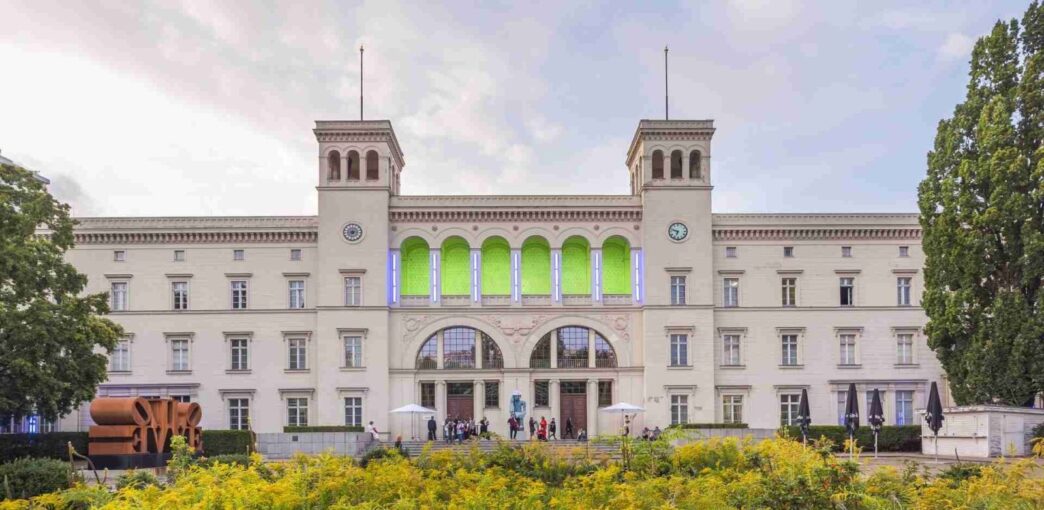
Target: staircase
<point>565,447</point>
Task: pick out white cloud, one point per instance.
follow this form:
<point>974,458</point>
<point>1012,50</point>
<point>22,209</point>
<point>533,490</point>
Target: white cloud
<point>957,46</point>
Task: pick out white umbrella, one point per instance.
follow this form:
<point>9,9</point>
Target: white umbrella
<point>623,408</point>
<point>413,409</point>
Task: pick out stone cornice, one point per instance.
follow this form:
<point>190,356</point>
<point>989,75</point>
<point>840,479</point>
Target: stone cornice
<point>816,219</point>
<point>520,215</point>
<point>333,131</point>
<point>309,237</point>
<point>669,130</point>
<point>815,233</point>
<point>196,230</point>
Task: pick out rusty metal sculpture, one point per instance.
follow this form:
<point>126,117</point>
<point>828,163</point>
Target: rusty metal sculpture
<point>136,432</point>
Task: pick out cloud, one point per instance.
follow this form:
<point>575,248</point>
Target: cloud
<point>67,190</point>
<point>957,46</point>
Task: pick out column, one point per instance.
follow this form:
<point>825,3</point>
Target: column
<point>480,400</point>
<point>592,407</point>
<point>439,349</point>
<point>440,404</point>
<point>344,166</point>
<point>590,348</point>
<point>596,275</point>
<point>554,348</point>
<point>553,400</point>
<point>478,351</point>
<point>436,274</point>
<point>516,275</point>
<point>476,275</point>
<point>556,275</point>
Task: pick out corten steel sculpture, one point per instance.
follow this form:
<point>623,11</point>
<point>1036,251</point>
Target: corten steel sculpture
<point>136,432</point>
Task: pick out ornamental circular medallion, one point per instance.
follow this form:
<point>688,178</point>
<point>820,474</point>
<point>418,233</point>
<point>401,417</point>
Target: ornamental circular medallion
<point>352,232</point>
<point>677,231</point>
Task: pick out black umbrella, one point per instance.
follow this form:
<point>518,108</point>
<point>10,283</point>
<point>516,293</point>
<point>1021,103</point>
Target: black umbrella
<point>804,417</point>
<point>876,416</point>
<point>933,414</point>
<point>852,415</point>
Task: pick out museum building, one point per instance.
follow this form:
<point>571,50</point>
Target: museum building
<point>456,302</point>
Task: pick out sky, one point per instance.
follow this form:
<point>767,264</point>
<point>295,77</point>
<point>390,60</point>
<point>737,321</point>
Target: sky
<point>193,107</point>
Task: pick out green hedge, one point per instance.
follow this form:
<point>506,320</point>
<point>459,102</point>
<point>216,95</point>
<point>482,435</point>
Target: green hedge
<point>50,445</point>
<point>25,478</point>
<point>710,426</point>
<point>226,442</point>
<point>893,438</point>
<point>324,428</point>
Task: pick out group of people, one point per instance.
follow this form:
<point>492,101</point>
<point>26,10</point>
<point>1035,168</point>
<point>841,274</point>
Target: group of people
<point>651,435</point>
<point>462,429</point>
<point>457,429</point>
<point>546,431</point>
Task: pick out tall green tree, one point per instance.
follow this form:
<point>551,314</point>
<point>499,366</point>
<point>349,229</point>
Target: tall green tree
<point>52,338</point>
<point>982,214</point>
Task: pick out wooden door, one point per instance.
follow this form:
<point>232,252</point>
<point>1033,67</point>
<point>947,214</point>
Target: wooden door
<point>460,401</point>
<point>574,407</point>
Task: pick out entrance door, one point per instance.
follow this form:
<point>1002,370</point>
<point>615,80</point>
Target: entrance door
<point>573,402</point>
<point>460,401</point>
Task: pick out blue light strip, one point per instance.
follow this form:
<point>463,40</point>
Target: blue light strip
<point>556,275</point>
<point>476,276</point>
<point>393,277</point>
<point>516,278</point>
<point>435,276</point>
<point>639,276</point>
<point>597,275</point>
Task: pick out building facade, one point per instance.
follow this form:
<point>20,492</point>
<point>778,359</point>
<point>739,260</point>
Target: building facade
<point>456,302</point>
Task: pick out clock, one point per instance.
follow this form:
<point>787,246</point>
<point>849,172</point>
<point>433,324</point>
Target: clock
<point>352,232</point>
<point>677,231</point>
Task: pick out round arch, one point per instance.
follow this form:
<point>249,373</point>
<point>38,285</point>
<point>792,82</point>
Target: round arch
<point>415,278</point>
<point>536,266</point>
<point>616,266</point>
<point>623,354</point>
<point>576,265</point>
<point>496,267</point>
<point>455,266</point>
<point>408,358</point>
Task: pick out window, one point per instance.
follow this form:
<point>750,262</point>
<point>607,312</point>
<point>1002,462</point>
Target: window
<point>730,252</point>
<point>119,358</point>
<point>239,354</point>
<point>679,409</point>
<point>352,290</point>
<point>788,408</point>
<point>295,254</point>
<point>677,290</point>
<point>846,251</point>
<point>179,255</point>
<point>372,172</point>
<point>118,297</point>
<point>239,413</point>
<point>694,165</point>
<point>572,347</point>
<point>333,162</point>
<point>297,412</point>
<point>119,256</point>
<point>297,354</point>
<point>182,398</point>
<point>353,351</point>
<point>297,294</point>
<point>458,348</point>
<point>788,251</point>
<point>179,355</point>
<point>848,349</point>
<point>353,411</point>
<point>427,357</point>
<point>847,291</point>
<point>732,408</point>
<point>492,396</point>
<point>731,297</point>
<point>676,165</point>
<point>789,286</point>
<point>904,413</point>
<point>842,406</point>
<point>657,164</point>
<point>902,289</point>
<point>730,354</point>
<point>180,291</point>
<point>239,295</point>
<point>605,393</point>
<point>904,251</point>
<point>679,350</point>
<point>427,391</point>
<point>237,255</point>
<point>904,349</point>
<point>541,393</point>
<point>789,343</point>
<point>353,166</point>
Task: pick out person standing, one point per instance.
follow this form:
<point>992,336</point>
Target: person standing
<point>512,431</point>
<point>552,430</point>
<point>568,428</point>
<point>543,429</point>
<point>483,426</point>
<point>372,431</point>
<point>532,428</point>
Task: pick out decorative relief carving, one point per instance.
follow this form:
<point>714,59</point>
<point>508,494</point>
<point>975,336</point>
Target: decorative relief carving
<point>517,327</point>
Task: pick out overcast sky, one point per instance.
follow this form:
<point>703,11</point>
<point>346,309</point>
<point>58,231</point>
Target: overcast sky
<point>206,108</point>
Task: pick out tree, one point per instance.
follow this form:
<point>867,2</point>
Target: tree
<point>982,214</point>
<point>51,336</point>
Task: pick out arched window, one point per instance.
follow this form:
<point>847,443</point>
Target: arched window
<point>372,174</point>
<point>456,267</point>
<point>496,267</point>
<point>657,162</point>
<point>576,266</point>
<point>616,266</point>
<point>536,267</point>
<point>541,357</point>
<point>605,356</point>
<point>676,165</point>
<point>571,349</point>
<point>427,357</point>
<point>491,356</point>
<point>695,172</point>
<point>416,267</point>
<point>333,162</point>
<point>353,165</point>
<point>459,346</point>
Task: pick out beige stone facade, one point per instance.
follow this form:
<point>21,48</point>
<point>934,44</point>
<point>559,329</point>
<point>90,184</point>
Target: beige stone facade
<point>696,317</point>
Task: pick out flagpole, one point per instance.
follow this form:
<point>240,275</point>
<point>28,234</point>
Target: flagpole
<point>666,109</point>
<point>360,82</point>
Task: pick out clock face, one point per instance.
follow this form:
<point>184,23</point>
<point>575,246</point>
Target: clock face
<point>677,231</point>
<point>352,232</point>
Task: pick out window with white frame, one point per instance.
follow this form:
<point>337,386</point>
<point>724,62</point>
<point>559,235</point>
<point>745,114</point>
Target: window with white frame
<point>119,255</point>
<point>788,408</point>
<point>238,255</point>
<point>789,286</point>
<point>902,290</point>
<point>297,294</point>
<point>788,251</point>
<point>239,294</point>
<point>732,408</point>
<point>239,354</point>
<point>848,349</point>
<point>180,295</point>
<point>904,410</point>
<point>904,349</point>
<point>846,251</point>
<point>297,411</point>
<point>679,409</point>
<point>904,251</point>
<point>677,290</point>
<point>789,344</point>
<point>179,255</point>
<point>118,296</point>
<point>730,252</point>
<point>239,413</point>
<point>179,354</point>
<point>679,350</point>
<point>297,354</point>
<point>353,411</point>
<point>120,357</point>
<point>731,294</point>
<point>353,355</point>
<point>352,290</point>
<point>842,406</point>
<point>295,254</point>
<point>730,352</point>
<point>181,398</point>
<point>847,286</point>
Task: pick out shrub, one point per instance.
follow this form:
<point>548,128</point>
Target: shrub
<point>710,426</point>
<point>238,459</point>
<point>24,478</point>
<point>225,442</point>
<point>1038,431</point>
<point>378,453</point>
<point>49,445</point>
<point>892,438</point>
<point>323,428</point>
<point>958,473</point>
<point>136,478</point>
